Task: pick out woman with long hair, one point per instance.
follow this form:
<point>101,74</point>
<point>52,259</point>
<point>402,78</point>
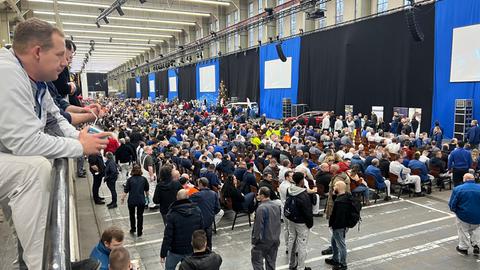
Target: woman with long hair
<point>240,201</point>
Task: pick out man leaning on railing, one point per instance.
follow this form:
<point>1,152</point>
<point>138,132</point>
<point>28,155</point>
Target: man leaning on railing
<point>37,56</point>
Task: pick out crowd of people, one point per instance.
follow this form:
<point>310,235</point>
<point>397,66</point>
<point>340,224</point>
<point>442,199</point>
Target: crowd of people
<point>190,162</point>
<point>186,146</point>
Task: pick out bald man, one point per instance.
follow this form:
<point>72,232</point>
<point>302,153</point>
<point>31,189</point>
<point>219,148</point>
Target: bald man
<point>183,218</point>
<point>323,178</point>
<point>464,203</point>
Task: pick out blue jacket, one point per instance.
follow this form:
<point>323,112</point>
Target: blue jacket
<point>212,178</point>
<point>239,172</point>
<point>464,202</point>
<point>417,164</point>
<point>460,158</point>
<point>101,253</point>
<point>183,218</point>
<point>356,160</point>
<point>471,135</point>
<point>375,172</point>
<point>208,202</point>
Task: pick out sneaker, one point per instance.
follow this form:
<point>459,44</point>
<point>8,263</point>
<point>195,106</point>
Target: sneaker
<point>139,234</point>
<point>88,264</point>
<point>330,261</point>
<point>99,202</point>
<point>387,198</point>
<point>318,214</point>
<point>327,251</point>
<point>340,267</point>
<point>476,250</point>
<point>132,231</point>
<point>112,206</point>
<point>419,194</point>
<point>461,251</point>
<point>308,268</point>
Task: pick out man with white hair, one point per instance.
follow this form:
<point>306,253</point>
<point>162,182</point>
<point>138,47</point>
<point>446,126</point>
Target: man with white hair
<point>464,203</point>
<point>404,176</point>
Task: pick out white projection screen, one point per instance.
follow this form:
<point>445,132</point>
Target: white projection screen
<point>465,66</point>
<point>152,86</point>
<point>207,78</point>
<point>172,82</point>
<point>278,74</point>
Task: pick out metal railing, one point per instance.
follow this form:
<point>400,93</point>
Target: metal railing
<point>56,252</point>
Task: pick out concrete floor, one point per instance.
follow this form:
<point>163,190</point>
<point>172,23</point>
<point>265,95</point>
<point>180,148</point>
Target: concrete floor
<point>411,233</point>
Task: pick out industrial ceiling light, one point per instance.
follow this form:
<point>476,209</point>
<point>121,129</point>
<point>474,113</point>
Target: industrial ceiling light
<point>105,19</point>
<point>98,25</point>
<point>143,9</point>
<point>123,27</point>
<point>116,33</point>
<point>114,18</point>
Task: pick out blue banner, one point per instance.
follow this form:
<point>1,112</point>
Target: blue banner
<point>278,79</point>
<point>208,81</point>
<point>450,14</point>
<point>172,84</point>
<point>151,86</point>
<point>138,93</point>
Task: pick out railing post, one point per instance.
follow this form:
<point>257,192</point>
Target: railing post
<point>56,252</point>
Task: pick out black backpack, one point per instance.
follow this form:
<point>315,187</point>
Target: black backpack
<point>290,210</point>
<point>355,218</point>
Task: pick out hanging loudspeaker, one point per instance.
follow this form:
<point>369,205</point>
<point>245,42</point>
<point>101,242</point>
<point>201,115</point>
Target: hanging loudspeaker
<point>415,31</point>
<point>280,52</point>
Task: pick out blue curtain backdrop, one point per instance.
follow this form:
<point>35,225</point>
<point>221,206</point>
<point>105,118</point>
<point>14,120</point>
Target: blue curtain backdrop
<point>211,97</point>
<point>172,95</point>
<point>451,14</point>
<point>271,99</point>
<point>151,86</point>
<point>138,93</point>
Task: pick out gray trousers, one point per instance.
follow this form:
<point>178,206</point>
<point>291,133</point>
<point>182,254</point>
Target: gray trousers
<point>264,250</point>
<point>468,234</point>
<point>297,243</point>
<point>25,185</point>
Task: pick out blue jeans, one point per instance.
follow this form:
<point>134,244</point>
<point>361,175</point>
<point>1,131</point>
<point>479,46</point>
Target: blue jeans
<point>362,189</point>
<point>339,246</point>
<point>173,259</point>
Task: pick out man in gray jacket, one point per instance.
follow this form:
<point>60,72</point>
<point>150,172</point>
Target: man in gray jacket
<point>37,56</point>
<point>266,231</point>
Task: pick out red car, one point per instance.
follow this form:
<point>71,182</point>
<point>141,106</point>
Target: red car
<point>306,118</point>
